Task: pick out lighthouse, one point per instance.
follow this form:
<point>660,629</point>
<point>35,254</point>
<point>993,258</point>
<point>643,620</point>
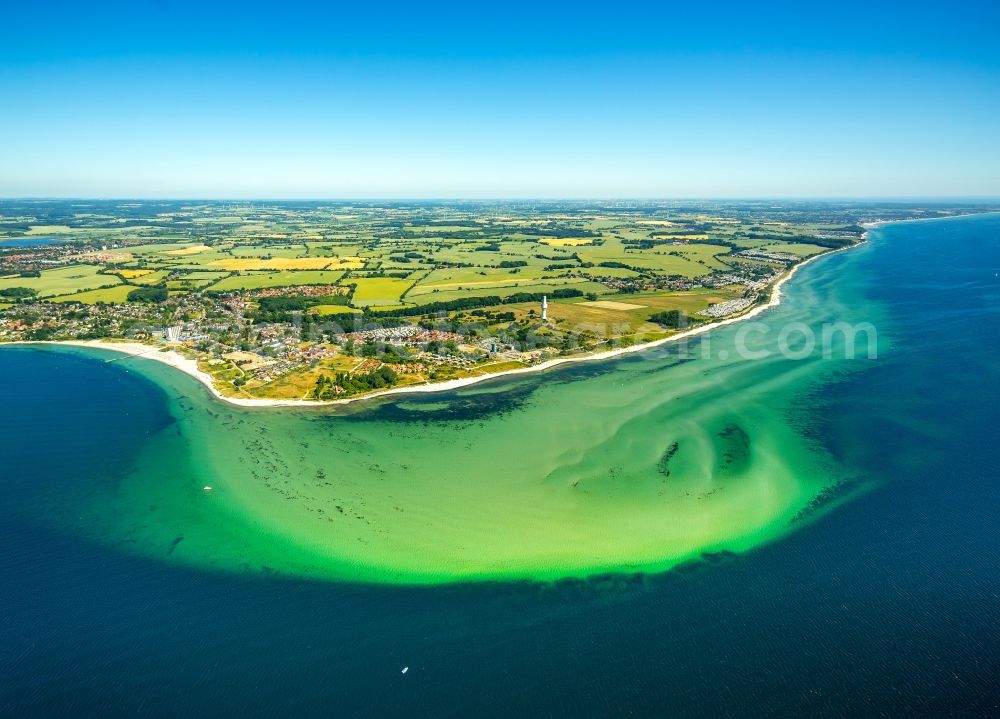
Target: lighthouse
<point>545,308</point>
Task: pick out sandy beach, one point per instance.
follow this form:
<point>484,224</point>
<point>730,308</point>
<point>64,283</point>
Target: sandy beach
<point>190,366</point>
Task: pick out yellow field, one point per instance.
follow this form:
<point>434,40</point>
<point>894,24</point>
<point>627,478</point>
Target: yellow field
<point>291,263</point>
<point>192,250</point>
<point>132,274</point>
<point>332,310</point>
<point>566,241</point>
<point>610,305</point>
<point>49,230</point>
<point>682,237</point>
<point>151,278</point>
<point>380,291</point>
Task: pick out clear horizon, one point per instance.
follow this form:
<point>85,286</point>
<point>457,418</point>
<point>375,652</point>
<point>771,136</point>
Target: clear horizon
<point>169,100</point>
<point>987,199</point>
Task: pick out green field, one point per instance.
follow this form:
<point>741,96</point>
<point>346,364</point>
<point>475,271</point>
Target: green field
<point>109,295</point>
<point>62,281</point>
<point>508,290</point>
<point>793,248</point>
<point>195,280</point>
<point>691,260</point>
<point>49,230</point>
<point>153,278</point>
<point>378,291</point>
<point>289,278</point>
<point>631,312</point>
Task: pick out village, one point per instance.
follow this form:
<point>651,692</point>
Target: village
<point>330,299</point>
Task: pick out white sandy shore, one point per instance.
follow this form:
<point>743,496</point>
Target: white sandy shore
<point>878,223</point>
<point>190,366</point>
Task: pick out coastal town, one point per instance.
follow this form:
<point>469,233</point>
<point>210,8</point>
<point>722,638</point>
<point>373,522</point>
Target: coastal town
<point>323,302</point>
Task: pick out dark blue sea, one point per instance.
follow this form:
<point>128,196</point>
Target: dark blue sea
<point>887,606</point>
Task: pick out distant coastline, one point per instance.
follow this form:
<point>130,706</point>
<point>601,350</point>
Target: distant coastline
<point>190,366</point>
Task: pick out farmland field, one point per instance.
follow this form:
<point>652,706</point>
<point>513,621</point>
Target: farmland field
<point>566,241</point>
<point>49,230</point>
<point>632,313</point>
<point>507,290</point>
<point>63,280</point>
<point>326,310</point>
<point>151,278</point>
<point>793,248</point>
<point>290,263</point>
<point>375,291</point>
<point>191,250</point>
<point>118,293</point>
<point>252,281</point>
<point>133,274</point>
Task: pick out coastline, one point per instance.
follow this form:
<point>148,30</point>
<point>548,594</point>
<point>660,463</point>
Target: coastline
<point>190,367</point>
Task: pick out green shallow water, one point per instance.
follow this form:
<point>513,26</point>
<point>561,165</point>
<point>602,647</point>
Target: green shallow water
<point>630,465</point>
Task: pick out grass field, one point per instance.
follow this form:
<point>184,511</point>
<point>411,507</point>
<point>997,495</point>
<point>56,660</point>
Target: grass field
<point>326,310</point>
<point>379,291</point>
<point>465,280</point>
<point>109,295</point>
<point>63,280</point>
<point>632,313</point>
<point>290,263</point>
<point>612,272</point>
<point>195,279</point>
<point>685,260</point>
<point>793,248</point>
<point>151,278</point>
<point>256,281</point>
<point>689,301</point>
<point>49,230</point>
<point>537,286</point>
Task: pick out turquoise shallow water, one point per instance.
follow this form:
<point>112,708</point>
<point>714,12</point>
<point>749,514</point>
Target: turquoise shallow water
<point>880,596</point>
<point>625,466</point>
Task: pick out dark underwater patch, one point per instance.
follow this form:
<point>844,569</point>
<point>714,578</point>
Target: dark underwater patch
<point>838,490</point>
<point>734,448</point>
<point>663,466</point>
<point>174,543</point>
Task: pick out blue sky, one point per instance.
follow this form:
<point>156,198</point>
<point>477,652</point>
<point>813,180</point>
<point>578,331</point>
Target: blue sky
<point>304,100</point>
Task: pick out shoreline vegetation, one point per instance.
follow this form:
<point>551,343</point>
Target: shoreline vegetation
<point>189,366</point>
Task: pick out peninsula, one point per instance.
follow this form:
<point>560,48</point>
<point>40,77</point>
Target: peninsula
<point>289,303</point>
